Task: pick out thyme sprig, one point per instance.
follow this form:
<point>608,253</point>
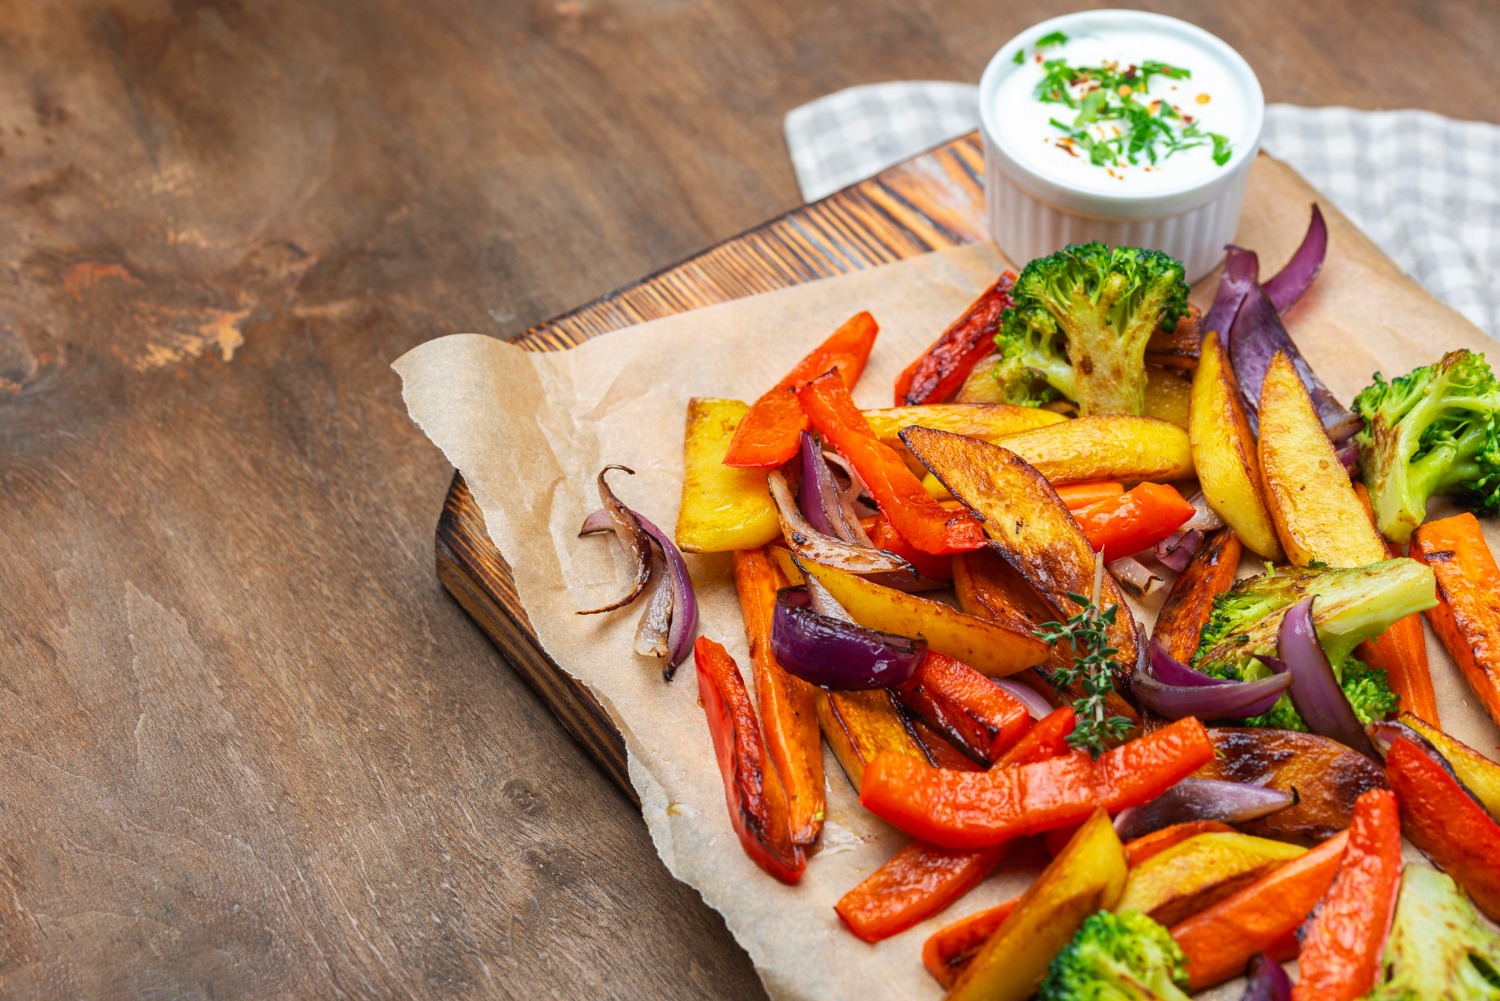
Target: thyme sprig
<point>1113,127</point>
<point>1093,667</point>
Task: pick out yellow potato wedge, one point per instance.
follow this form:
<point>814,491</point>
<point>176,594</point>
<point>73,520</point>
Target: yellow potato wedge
<point>1224,453</point>
<point>1168,396</point>
<point>1088,875</point>
<point>1177,883</point>
<point>1107,447</point>
<point>985,646</point>
<point>1317,515</point>
<point>1028,523</point>
<point>860,725</point>
<point>723,508</point>
<point>990,421</point>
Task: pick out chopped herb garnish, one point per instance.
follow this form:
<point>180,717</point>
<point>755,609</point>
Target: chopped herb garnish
<point>1093,666</point>
<point>1113,126</point>
<point>1019,57</point>
<point>1052,38</point>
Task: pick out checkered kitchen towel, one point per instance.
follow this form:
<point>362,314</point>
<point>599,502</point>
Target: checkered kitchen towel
<point>1425,188</point>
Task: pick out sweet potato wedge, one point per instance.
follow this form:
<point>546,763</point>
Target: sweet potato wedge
<point>1467,616</point>
<point>1312,503</point>
<point>1326,775</point>
<point>1180,881</point>
<point>788,720</point>
<point>1209,574</point>
<point>1027,523</point>
<point>988,648</point>
<point>1224,453</point>
<point>860,725</point>
<point>723,508</point>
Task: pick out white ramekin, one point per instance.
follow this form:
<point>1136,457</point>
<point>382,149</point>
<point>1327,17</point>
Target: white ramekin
<point>1031,215</point>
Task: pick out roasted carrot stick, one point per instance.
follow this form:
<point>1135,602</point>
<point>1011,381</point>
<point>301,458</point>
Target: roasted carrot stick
<point>1209,574</point>
<point>1401,651</point>
<point>1342,949</point>
<point>948,950</point>
<point>1078,496</point>
<point>976,714</point>
<point>1467,616</point>
<point>788,718</point>
<point>919,881</point>
<point>939,372</point>
<point>901,497</point>
<point>752,790</point>
<point>1220,941</point>
<point>767,435</point>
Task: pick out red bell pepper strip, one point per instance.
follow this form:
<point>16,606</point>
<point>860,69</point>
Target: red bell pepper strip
<point>922,521</point>
<point>1047,738</point>
<point>979,809</point>
<point>1342,949</point>
<point>768,434</point>
<point>1220,940</point>
<point>939,373</point>
<point>1156,842</point>
<point>948,950</point>
<point>884,536</point>
<point>977,715</point>
<point>1137,519</point>
<point>1442,819</point>
<point>752,790</point>
<point>919,881</point>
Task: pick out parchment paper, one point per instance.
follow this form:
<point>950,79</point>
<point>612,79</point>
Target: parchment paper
<point>529,430</point>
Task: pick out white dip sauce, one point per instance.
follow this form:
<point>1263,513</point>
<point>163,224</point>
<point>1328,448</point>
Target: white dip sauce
<point>1209,99</point>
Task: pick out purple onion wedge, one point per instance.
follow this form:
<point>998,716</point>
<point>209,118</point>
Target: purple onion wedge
<point>1268,980</point>
<point>632,537</point>
<point>821,501</point>
<point>1241,269</point>
<point>677,612</point>
<point>807,542</point>
<point>1315,691</point>
<point>1036,705</point>
<point>1201,799</point>
<point>1174,690</point>
<point>1176,551</point>
<point>836,654</point>
<point>1294,279</point>
<point>1255,337</point>
<point>1135,577</point>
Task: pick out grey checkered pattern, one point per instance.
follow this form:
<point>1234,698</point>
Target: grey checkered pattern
<point>1425,188</point>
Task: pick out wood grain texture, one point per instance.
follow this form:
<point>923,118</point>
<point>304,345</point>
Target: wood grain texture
<point>248,746</point>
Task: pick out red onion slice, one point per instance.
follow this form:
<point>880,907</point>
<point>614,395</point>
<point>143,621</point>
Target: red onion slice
<point>1231,700</point>
<point>822,600</point>
<point>1268,979</point>
<point>1241,269</point>
<point>1315,691</point>
<point>809,543</point>
<point>1135,577</point>
<point>1205,519</point>
<point>1036,705</point>
<point>1255,337</point>
<point>682,609</point>
<point>852,494</point>
<point>835,654</point>
<point>1171,671</point>
<point>1177,550</point>
<point>632,537</point>
<point>821,501</point>
<point>1294,279</point>
<point>1201,799</point>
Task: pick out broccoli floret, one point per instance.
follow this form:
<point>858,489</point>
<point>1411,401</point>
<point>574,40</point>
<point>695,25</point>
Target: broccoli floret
<point>1438,947</point>
<point>1080,323</point>
<point>1351,606</point>
<point>1433,431</point>
<point>1118,957</point>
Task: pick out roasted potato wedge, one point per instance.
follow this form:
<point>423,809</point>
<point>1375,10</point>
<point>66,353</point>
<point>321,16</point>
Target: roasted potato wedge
<point>1180,881</point>
<point>990,421</point>
<point>723,508</point>
<point>986,647</point>
<point>1028,524</point>
<point>1326,775</point>
<point>1312,503</point>
<point>1087,876</point>
<point>1224,453</point>
<point>860,725</point>
<point>1107,447</point>
<point>1169,396</point>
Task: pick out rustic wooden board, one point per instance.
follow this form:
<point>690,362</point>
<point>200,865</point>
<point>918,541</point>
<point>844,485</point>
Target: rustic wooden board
<point>927,203</point>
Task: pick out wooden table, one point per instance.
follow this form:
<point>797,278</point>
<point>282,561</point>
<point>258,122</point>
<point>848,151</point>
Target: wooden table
<point>250,748</point>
